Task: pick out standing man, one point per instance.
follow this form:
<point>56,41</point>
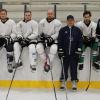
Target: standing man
<point>7,36</point>
<point>88,29</point>
<point>27,30</point>
<point>48,30</point>
<point>69,46</point>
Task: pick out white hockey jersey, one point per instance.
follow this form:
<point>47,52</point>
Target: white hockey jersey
<point>28,29</point>
<point>87,30</point>
<point>8,28</point>
<point>51,29</point>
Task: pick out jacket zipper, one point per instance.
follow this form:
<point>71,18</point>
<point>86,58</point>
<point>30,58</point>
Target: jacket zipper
<point>70,42</point>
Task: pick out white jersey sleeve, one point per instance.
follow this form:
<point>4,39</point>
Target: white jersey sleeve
<point>79,25</point>
<point>19,29</point>
<point>34,33</point>
<point>41,25</point>
<point>87,30</point>
<point>51,29</point>
<point>94,25</point>
<point>14,30</point>
<point>57,27</point>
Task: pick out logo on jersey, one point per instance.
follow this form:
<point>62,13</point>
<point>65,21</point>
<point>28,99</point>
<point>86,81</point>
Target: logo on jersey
<point>66,32</point>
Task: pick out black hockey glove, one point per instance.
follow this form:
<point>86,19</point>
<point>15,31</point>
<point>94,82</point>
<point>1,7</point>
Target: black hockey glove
<point>50,40</point>
<point>98,36</point>
<point>60,53</point>
<point>42,37</point>
<point>27,40</point>
<point>20,39</point>
<point>8,40</point>
<point>88,40</point>
<point>92,40</point>
<point>79,51</point>
<point>23,43</point>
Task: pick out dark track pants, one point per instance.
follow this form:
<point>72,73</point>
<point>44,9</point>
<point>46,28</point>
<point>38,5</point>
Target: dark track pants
<point>72,63</point>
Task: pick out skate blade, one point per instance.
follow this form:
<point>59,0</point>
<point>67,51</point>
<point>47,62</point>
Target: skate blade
<point>62,88</point>
<point>74,89</point>
<point>10,71</point>
<point>33,71</point>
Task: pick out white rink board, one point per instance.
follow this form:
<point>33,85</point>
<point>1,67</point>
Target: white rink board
<point>26,74</point>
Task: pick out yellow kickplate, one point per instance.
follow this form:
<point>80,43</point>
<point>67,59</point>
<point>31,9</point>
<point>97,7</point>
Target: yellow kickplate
<point>45,84</point>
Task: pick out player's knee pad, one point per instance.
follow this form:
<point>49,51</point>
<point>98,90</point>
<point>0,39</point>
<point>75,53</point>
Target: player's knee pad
<point>32,54</point>
<point>17,50</point>
<point>17,45</point>
<point>53,49</point>
<point>40,48</point>
<point>32,48</point>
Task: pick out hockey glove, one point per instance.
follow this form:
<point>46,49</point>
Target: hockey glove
<point>8,40</point>
<point>60,53</point>
<point>79,51</point>
<point>27,40</point>
<point>19,39</point>
<point>88,40</point>
<point>42,37</point>
<point>50,40</point>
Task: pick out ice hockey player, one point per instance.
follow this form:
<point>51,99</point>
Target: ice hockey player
<point>27,33</point>
<point>48,30</point>
<point>69,47</point>
<point>88,29</point>
<point>7,36</point>
<point>98,37</point>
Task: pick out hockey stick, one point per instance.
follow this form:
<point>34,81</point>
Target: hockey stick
<point>64,78</point>
<point>90,71</point>
<point>13,78</point>
<point>54,89</point>
<point>90,64</point>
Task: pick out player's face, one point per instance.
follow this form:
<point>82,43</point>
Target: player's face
<point>70,22</point>
<point>3,15</point>
<point>27,16</point>
<point>87,18</point>
<point>50,14</point>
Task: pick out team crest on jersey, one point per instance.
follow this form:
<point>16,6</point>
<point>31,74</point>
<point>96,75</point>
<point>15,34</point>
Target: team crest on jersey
<point>66,32</point>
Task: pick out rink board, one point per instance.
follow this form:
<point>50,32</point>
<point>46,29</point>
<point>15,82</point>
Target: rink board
<point>46,84</point>
<point>24,78</point>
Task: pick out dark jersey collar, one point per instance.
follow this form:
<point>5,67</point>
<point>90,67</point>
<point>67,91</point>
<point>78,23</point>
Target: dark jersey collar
<point>5,20</point>
<point>49,20</point>
<point>87,24</point>
<point>26,21</point>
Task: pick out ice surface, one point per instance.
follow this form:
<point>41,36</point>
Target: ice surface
<point>40,94</point>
